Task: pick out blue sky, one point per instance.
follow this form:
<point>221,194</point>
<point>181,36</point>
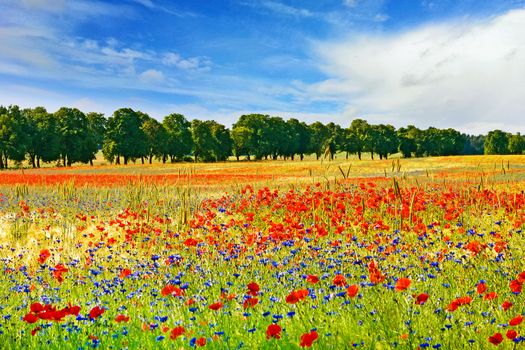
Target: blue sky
<point>443,63</point>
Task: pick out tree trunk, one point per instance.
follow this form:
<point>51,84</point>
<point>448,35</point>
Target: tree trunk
<point>38,162</point>
<point>301,156</point>
<point>248,157</point>
<point>317,155</point>
<point>32,158</point>
<point>118,160</point>
<point>237,158</point>
<point>125,160</point>
<point>359,154</point>
<point>372,155</point>
<point>91,162</point>
<point>347,154</point>
<point>386,155</point>
<point>293,156</point>
<point>142,159</point>
<point>1,161</point>
<point>150,158</point>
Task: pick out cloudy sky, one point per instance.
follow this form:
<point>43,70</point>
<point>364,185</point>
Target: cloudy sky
<point>443,63</point>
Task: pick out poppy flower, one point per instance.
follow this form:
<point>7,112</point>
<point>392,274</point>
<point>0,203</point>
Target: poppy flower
<point>296,296</point>
<point>521,277</point>
<point>35,331</point>
<point>422,298</point>
<point>516,320</point>
<point>96,312</point>
<point>307,339</point>
<point>481,288</point>
<point>36,308</point>
<point>121,318</point>
<point>176,332</point>
<point>30,318</point>
<point>273,331</point>
<point>43,256</point>
<point>402,284</point>
<point>313,279</point>
<point>253,289</point>
<point>170,289</point>
<point>496,339</point>
<point>339,280</point>
<point>215,306</point>
<point>201,341</point>
<point>515,286</point>
<point>490,296</point>
<point>511,334</point>
<point>250,302</point>
<point>353,290</point>
<point>125,273</point>
<point>506,305</point>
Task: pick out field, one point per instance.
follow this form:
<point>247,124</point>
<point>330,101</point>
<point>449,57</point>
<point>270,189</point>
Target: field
<point>403,253</point>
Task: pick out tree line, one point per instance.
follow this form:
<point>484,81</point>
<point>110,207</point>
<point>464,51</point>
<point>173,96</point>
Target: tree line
<point>70,136</point>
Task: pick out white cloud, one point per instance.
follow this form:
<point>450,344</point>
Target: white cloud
<point>454,74</point>
<point>350,3</point>
<point>190,63</point>
<point>151,76</point>
<point>283,9</point>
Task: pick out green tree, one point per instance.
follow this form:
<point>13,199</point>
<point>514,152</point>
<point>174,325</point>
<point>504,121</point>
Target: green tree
<point>407,142</point>
<point>96,132</point>
<point>180,142</point>
<point>362,133</point>
<point>14,139</point>
<point>156,139</point>
<point>124,136</point>
<point>497,142</point>
<point>299,138</point>
<point>319,135</point>
<point>386,141</point>
<point>223,141</point>
<point>204,143</point>
<point>516,144</point>
<point>73,131</point>
<point>44,140</point>
<point>255,138</point>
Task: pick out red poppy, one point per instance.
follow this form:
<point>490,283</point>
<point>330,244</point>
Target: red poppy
<point>43,256</point>
<point>307,339</point>
<point>516,320</point>
<point>339,280</point>
<point>506,305</point>
<point>421,298</point>
<point>490,296</point>
<point>313,279</point>
<point>58,271</point>
<point>34,331</point>
<point>96,312</point>
<point>521,277</point>
<point>201,341</point>
<point>121,318</point>
<point>511,334</point>
<point>170,289</point>
<point>176,332</point>
<point>353,290</point>
<point>72,310</point>
<point>250,302</point>
<point>481,288</point>
<point>253,288</point>
<point>496,339</point>
<point>273,331</point>
<point>215,306</point>
<point>402,284</point>
<point>459,302</point>
<point>30,318</point>
<point>296,296</point>
<point>515,286</point>
<point>36,308</point>
<point>125,273</point>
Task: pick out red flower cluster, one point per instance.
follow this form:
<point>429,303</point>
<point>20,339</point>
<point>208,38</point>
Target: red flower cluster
<point>296,296</point>
<point>49,313</point>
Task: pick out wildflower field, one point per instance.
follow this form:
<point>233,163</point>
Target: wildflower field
<point>407,254</point>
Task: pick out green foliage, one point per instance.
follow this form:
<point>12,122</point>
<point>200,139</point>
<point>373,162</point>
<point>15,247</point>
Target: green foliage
<point>125,137</point>
<point>497,142</point>
<point>180,142</point>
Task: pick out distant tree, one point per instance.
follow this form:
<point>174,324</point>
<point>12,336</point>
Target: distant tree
<point>124,136</point>
<point>474,144</point>
<point>386,141</point>
<point>180,142</point>
<point>203,142</point>
<point>336,140</point>
<point>44,140</point>
<point>74,135</point>
<point>223,141</point>
<point>362,136</point>
<point>299,137</point>
<point>319,135</point>
<point>96,131</point>
<point>255,134</point>
<point>407,143</point>
<point>276,138</point>
<point>14,140</point>
<point>156,139</point>
<point>516,144</point>
<point>497,142</point>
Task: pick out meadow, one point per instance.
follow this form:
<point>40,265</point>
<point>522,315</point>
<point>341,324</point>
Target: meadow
<point>372,254</point>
